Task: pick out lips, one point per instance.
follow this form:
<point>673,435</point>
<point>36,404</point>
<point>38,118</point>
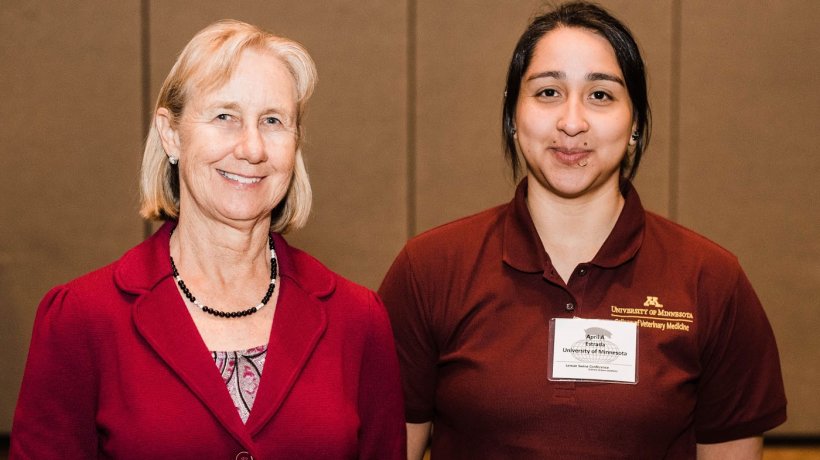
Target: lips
<point>570,156</point>
<point>238,178</point>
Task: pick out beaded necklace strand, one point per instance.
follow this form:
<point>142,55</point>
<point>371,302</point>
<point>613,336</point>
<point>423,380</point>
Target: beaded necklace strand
<point>231,314</point>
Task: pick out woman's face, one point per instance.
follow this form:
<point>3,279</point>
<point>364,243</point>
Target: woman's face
<point>573,117</point>
<point>237,144</point>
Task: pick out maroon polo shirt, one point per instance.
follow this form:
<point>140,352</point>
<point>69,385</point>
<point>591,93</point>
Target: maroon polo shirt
<point>471,301</point>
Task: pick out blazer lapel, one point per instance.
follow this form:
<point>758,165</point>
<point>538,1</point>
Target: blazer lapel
<point>162,319</point>
<point>298,326</point>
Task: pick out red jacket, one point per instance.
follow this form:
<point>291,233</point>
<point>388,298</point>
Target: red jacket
<point>117,369</point>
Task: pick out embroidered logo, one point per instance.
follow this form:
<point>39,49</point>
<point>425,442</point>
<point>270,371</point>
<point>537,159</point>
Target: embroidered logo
<point>654,316</point>
<point>652,301</point>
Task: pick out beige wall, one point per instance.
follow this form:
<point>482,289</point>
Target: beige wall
<point>69,136</point>
<point>403,134</point>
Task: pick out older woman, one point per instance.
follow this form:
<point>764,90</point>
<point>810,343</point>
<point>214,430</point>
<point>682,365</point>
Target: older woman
<point>572,323</point>
<point>214,338</point>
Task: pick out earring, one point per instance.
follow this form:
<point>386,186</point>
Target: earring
<point>173,160</point>
<point>635,136</point>
<point>514,131</point>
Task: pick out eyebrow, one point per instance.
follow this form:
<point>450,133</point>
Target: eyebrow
<point>223,105</point>
<point>605,76</point>
<point>594,76</point>
<point>556,74</point>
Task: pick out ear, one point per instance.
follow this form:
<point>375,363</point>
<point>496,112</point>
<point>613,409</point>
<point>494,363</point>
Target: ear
<point>632,140</point>
<point>163,121</point>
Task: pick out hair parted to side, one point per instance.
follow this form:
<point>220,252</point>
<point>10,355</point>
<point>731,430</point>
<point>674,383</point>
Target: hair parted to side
<point>206,63</point>
<point>592,17</point>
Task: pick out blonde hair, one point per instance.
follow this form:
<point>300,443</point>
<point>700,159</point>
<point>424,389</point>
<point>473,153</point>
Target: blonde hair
<point>206,63</point>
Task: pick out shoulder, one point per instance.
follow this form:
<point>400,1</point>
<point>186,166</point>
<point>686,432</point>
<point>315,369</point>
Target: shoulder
<point>461,236</point>
<point>106,290</point>
<point>97,281</point>
<point>89,290</point>
<point>354,312</point>
<point>432,263</point>
<point>679,239</point>
<point>690,254</point>
<point>81,310</point>
<point>318,281</point>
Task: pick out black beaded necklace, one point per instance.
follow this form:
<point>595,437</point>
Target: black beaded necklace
<point>231,314</point>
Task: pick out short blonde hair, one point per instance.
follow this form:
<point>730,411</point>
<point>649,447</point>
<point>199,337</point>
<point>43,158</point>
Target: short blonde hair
<point>206,63</point>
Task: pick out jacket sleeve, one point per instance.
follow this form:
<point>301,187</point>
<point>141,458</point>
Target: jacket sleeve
<point>55,415</point>
<point>381,410</point>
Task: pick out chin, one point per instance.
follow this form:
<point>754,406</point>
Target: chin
<point>568,185</point>
<point>569,193</point>
<point>240,214</point>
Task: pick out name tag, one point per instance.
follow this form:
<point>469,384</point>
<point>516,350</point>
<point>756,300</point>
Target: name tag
<point>593,350</point>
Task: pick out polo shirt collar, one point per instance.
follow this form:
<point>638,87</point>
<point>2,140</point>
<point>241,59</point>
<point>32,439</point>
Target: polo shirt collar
<point>523,250</point>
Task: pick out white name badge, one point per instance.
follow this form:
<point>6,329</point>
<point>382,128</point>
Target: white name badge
<point>593,350</point>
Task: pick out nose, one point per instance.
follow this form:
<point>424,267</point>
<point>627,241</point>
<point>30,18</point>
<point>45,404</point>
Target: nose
<point>251,146</point>
<point>573,120</point>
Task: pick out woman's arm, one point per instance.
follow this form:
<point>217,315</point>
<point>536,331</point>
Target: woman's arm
<point>381,408</point>
<point>418,435</point>
<point>405,297</point>
<point>55,415</point>
<point>740,449</point>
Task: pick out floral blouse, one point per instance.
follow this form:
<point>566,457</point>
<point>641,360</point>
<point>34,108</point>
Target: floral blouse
<point>241,371</point>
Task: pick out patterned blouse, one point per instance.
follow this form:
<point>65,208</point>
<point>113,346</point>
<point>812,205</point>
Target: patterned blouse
<point>241,371</point>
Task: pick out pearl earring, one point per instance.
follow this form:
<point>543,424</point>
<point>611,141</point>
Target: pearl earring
<point>173,160</point>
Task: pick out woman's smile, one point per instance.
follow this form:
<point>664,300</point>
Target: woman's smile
<point>570,155</point>
<point>247,180</point>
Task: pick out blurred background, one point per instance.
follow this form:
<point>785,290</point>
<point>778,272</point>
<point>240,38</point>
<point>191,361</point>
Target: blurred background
<point>403,134</point>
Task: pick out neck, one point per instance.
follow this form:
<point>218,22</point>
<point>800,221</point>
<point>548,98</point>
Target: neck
<point>220,255</point>
<point>573,230</point>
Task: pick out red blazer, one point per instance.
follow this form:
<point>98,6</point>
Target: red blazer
<point>117,369</point>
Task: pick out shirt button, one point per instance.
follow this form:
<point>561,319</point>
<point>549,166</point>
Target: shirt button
<point>570,307</point>
<point>582,271</point>
<point>244,456</point>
